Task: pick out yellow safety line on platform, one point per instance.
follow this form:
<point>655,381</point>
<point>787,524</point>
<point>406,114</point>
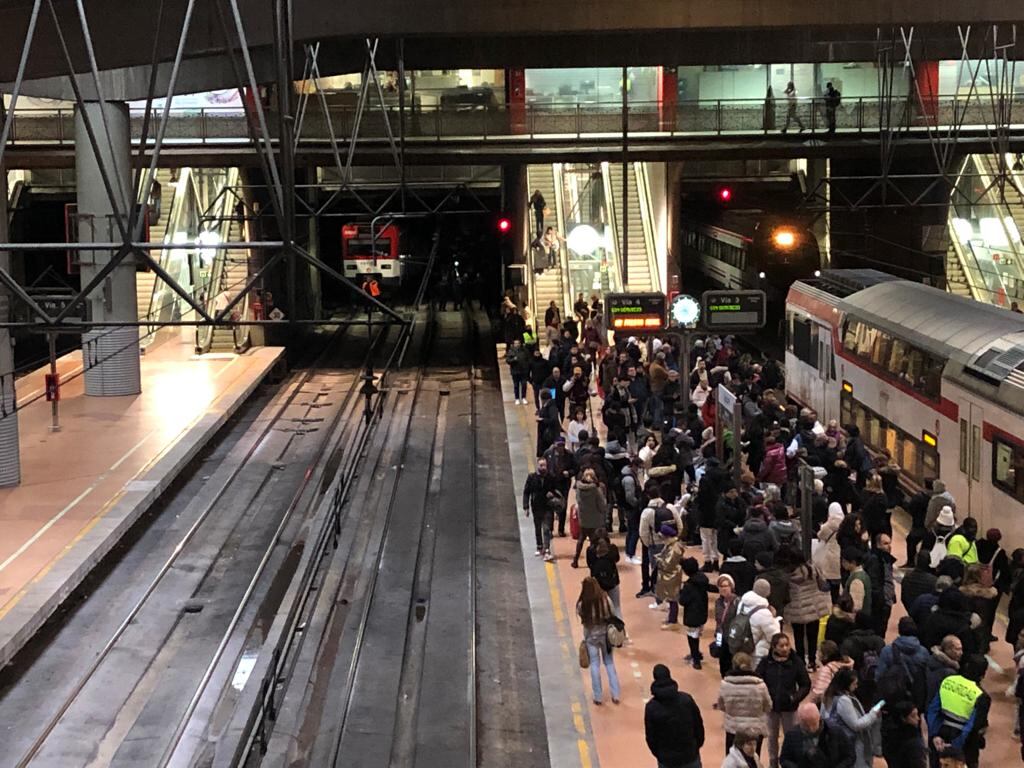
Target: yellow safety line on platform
<point>557,603</point>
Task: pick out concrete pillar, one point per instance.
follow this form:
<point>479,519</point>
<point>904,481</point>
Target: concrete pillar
<point>10,460</point>
<point>110,354</point>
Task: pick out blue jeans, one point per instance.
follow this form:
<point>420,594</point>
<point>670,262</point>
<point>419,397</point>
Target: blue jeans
<point>519,386</point>
<point>632,532</point>
<point>599,653</point>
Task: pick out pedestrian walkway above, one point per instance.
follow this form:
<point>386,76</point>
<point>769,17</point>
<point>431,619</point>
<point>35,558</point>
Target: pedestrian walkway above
<point>84,486</point>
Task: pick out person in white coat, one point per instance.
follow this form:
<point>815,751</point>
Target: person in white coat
<point>763,623</point>
<point>826,550</point>
<point>743,753</point>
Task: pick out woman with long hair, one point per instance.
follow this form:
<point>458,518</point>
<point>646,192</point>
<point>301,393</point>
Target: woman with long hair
<point>595,611</point>
<point>831,661</point>
<point>841,708</point>
<point>808,601</point>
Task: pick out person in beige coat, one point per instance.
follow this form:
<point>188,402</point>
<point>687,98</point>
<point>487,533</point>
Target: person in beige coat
<point>809,600</point>
<point>826,555</point>
<point>670,574</point>
<point>744,700</point>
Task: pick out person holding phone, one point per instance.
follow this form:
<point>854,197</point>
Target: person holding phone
<point>843,710</point>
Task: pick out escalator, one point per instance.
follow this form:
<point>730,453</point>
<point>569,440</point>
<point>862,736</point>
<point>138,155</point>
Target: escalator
<point>550,284</point>
<point>145,281</point>
<point>642,261</point>
<point>233,274</point>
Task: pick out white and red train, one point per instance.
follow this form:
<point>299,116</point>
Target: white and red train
<point>935,378</point>
<point>363,255</point>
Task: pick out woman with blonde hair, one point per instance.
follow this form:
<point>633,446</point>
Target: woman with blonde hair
<point>596,611</point>
<point>744,700</point>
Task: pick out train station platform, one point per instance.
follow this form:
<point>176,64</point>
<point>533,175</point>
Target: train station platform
<point>584,735</point>
<point>84,486</point>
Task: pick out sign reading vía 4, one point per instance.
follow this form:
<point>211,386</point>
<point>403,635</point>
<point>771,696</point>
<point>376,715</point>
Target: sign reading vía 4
<point>734,309</point>
<point>636,312</point>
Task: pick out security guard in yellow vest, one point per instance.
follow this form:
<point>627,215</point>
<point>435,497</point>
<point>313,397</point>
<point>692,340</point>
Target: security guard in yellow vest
<point>958,715</point>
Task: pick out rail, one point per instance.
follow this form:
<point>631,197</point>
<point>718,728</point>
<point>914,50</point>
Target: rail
<point>711,117</point>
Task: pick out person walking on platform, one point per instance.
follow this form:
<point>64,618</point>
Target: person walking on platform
<point>673,725</point>
<point>549,424</point>
<point>844,711</point>
<point>596,611</point>
<point>519,367</point>
<point>791,108</point>
<point>541,497</point>
<point>593,509</point>
<point>562,466</point>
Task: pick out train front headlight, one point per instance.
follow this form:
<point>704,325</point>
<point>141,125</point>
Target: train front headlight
<point>784,238</point>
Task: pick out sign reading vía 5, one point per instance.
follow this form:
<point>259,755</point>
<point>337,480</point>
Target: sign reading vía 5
<point>637,312</point>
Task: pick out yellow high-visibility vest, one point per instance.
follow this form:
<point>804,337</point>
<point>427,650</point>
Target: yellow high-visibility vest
<point>957,697</point>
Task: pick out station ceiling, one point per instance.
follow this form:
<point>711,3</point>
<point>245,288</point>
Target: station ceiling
<point>445,34</point>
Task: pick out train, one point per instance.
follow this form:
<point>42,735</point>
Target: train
<point>751,250</point>
<point>934,378</point>
<point>382,258</point>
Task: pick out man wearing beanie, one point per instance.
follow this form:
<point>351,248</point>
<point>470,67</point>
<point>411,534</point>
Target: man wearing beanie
<point>672,723</point>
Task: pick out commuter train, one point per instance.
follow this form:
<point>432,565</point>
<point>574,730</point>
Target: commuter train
<point>935,378</point>
<point>362,256</point>
<point>752,250</point>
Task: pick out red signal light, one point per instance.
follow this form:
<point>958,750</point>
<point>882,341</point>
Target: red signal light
<point>725,194</point>
<point>504,225</point>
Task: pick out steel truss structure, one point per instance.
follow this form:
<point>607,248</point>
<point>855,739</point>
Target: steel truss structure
<point>987,55</point>
<point>276,153</point>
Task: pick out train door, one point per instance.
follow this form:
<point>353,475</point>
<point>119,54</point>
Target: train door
<point>971,455</point>
<point>826,405</point>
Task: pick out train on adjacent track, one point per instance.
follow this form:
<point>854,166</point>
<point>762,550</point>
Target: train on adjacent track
<point>382,257</point>
<point>934,378</point>
<point>751,249</point>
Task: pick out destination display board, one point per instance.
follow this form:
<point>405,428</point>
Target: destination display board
<point>734,309</point>
<point>636,312</point>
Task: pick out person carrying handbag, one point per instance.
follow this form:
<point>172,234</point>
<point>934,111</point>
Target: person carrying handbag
<point>597,613</point>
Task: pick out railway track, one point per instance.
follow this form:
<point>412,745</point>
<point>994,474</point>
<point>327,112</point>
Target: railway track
<point>378,666</point>
<point>166,623</point>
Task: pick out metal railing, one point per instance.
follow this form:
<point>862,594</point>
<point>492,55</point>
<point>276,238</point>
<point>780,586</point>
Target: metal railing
<point>717,117</point>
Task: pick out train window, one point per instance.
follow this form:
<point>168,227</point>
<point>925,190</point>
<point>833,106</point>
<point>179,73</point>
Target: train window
<point>975,452</point>
<point>917,459</point>
<point>1008,468</point>
<point>963,446</point>
<point>895,358</point>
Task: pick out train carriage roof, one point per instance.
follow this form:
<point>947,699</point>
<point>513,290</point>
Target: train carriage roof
<point>950,326</point>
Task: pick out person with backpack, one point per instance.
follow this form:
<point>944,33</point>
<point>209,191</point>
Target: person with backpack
<point>742,571</point>
<point>841,621</point>
<point>901,672</point>
<point>863,646</point>
<point>673,726</point>
<point>982,599</point>
<point>725,610</point>
<point>744,701</point>
<point>992,559</point>
<point>693,597</point>
<point>808,602</point>
<point>843,711</point>
<point>596,612</point>
<point>788,684</point>
<point>602,557</point>
<point>754,625</point>
<point>656,514</point>
<point>593,509</point>
<point>629,501</point>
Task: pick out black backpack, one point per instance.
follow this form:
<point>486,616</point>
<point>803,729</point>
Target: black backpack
<point>901,684</point>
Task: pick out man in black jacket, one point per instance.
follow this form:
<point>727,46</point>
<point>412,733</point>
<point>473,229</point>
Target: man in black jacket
<point>541,496</point>
<point>812,744</point>
<point>672,723</point>
<point>562,466</point>
<point>917,508</point>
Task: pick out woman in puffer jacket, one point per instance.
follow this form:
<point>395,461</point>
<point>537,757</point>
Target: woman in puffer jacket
<point>826,557</point>
<point>807,604</point>
<point>744,700</point>
<point>670,573</point>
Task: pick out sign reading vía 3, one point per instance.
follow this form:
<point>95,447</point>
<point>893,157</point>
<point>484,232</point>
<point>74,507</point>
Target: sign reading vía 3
<point>734,309</point>
<point>636,312</point>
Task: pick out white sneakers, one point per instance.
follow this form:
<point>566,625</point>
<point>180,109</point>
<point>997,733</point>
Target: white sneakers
<point>520,401</point>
